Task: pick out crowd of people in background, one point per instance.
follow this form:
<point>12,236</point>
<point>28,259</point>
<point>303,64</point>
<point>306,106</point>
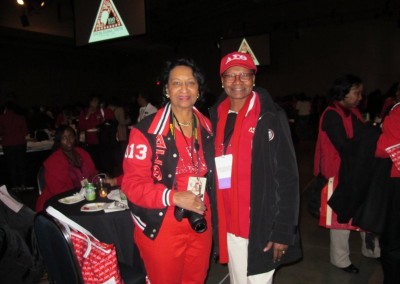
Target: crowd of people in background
<point>101,130</point>
<point>303,112</point>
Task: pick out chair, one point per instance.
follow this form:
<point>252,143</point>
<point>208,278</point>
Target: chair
<point>40,180</point>
<point>57,250</point>
<point>59,256</point>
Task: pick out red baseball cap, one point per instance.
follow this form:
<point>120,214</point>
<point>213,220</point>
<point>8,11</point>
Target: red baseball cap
<point>237,59</point>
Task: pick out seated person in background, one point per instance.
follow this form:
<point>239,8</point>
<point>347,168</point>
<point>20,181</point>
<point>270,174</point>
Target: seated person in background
<point>66,167</point>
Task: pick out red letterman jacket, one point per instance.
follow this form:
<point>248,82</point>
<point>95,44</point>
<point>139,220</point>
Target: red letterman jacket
<point>149,168</point>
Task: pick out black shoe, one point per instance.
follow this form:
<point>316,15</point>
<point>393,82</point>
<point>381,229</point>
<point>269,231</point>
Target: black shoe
<point>350,269</point>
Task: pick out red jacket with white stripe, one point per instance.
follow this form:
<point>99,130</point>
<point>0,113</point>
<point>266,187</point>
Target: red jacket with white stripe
<point>150,164</point>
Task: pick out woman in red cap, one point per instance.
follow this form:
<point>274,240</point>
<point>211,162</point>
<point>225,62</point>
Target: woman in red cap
<point>258,181</point>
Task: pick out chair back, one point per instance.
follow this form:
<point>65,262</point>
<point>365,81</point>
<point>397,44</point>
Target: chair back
<point>57,250</point>
<point>40,180</point>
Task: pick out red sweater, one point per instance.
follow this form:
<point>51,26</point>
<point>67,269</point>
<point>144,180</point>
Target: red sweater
<point>327,159</point>
<point>90,123</point>
<point>13,128</point>
<point>60,177</point>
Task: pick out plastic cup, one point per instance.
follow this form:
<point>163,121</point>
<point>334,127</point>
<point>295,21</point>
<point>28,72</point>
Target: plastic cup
<point>90,191</point>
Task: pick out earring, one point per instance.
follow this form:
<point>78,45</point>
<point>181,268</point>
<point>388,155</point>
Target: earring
<point>222,86</point>
<point>254,84</point>
<point>198,95</point>
<point>167,95</point>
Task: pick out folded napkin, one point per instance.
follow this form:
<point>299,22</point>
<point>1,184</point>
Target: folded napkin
<point>115,206</point>
<point>118,195</point>
<point>8,200</point>
<point>81,192</point>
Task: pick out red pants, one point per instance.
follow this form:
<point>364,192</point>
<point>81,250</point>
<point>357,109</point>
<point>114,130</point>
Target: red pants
<point>178,254</point>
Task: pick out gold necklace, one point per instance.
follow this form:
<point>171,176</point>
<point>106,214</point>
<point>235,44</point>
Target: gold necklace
<point>184,123</point>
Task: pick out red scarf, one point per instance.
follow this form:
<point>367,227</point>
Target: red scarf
<point>223,111</point>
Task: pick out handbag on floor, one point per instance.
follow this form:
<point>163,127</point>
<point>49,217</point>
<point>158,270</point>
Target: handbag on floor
<point>97,260</point>
<point>327,217</point>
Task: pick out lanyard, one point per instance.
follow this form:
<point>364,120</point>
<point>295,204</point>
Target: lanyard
<point>229,128</point>
<point>194,145</point>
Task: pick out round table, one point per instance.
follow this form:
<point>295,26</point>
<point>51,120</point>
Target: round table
<point>113,227</point>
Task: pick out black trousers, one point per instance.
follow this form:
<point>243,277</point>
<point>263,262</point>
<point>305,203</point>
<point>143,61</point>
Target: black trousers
<point>390,238</point>
<point>107,159</point>
<point>15,162</point>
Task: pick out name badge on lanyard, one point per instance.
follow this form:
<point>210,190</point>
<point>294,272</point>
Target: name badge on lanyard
<point>224,170</point>
<point>197,185</point>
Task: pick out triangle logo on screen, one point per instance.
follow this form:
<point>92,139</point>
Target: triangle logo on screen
<point>245,48</point>
<point>108,23</point>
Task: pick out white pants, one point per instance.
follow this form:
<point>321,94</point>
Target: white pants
<point>237,265</point>
<point>340,251</point>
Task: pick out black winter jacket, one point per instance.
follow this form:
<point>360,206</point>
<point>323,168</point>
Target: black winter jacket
<point>274,187</point>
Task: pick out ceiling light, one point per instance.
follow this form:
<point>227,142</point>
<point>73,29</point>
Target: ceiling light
<point>20,2</point>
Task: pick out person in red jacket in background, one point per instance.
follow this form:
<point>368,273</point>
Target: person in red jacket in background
<point>66,167</point>
<point>390,238</point>
<point>340,128</point>
<point>13,130</point>
<point>90,120</point>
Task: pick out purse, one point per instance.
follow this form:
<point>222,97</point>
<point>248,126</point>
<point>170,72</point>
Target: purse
<point>327,217</point>
<point>394,154</point>
<point>97,260</point>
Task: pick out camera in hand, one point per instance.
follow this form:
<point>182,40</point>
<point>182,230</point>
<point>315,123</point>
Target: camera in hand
<point>196,221</point>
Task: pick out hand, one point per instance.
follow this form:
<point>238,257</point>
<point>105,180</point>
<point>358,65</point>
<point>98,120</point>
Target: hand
<point>279,250</point>
<point>111,181</point>
<point>189,201</point>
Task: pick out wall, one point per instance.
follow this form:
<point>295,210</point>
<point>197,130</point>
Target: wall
<point>52,71</point>
<point>311,61</point>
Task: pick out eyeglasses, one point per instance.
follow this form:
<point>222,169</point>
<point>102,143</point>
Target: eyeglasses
<point>231,77</point>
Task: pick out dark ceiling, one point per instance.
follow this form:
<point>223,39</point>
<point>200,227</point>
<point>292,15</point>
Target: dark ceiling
<point>169,21</point>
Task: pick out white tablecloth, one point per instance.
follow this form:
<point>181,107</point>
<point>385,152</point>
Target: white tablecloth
<point>33,146</point>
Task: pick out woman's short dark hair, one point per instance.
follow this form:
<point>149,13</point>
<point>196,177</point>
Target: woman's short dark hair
<point>58,135</point>
<point>342,86</point>
<point>171,64</point>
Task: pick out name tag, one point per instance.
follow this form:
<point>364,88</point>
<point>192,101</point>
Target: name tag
<point>224,170</point>
<point>197,185</point>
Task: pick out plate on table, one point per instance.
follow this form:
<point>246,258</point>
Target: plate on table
<point>71,199</point>
<point>93,207</point>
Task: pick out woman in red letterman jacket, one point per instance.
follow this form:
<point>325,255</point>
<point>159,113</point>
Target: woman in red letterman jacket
<point>390,238</point>
<point>339,132</point>
<point>169,159</point>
